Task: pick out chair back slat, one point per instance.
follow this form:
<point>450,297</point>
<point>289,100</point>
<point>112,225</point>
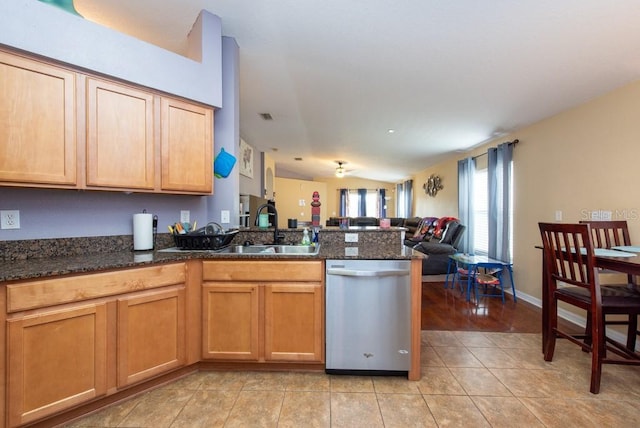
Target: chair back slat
<point>610,233</point>
<point>607,234</point>
<point>569,255</point>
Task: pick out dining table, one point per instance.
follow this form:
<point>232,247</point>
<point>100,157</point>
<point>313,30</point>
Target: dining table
<point>622,259</point>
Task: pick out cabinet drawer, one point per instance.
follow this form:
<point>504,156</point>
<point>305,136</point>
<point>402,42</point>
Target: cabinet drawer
<point>55,291</point>
<point>263,270</point>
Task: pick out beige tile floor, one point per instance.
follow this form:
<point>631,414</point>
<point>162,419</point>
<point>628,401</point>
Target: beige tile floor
<point>469,379</point>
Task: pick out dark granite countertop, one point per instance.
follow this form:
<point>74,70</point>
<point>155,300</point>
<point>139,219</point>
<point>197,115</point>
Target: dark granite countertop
<point>21,269</point>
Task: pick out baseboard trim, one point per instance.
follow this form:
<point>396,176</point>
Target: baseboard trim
<point>569,316</point>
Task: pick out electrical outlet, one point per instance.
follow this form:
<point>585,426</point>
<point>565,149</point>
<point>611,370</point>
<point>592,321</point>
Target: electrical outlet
<point>558,215</point>
<point>185,216</point>
<point>10,219</point>
<point>351,251</point>
<point>350,237</point>
<point>224,216</point>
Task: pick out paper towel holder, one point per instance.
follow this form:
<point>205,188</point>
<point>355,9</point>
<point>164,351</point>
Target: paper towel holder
<point>145,229</point>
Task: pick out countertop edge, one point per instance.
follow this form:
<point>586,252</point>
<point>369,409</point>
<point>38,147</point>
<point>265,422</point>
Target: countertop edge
<point>19,270</point>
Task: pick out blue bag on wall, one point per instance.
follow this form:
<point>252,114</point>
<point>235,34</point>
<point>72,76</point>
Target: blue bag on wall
<point>223,164</point>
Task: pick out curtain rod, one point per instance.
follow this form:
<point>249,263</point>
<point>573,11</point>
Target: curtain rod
<point>513,143</point>
<point>358,188</point>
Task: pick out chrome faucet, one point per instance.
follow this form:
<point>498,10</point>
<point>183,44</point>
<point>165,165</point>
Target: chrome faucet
<point>271,210</point>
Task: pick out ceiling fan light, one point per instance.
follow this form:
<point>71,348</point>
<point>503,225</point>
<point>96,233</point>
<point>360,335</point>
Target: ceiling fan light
<point>340,172</point>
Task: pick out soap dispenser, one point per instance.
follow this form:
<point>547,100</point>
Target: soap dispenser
<point>305,237</point>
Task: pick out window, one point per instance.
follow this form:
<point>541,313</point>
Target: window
<point>480,212</point>
<point>511,186</point>
<point>485,202</point>
<point>400,204</point>
<point>371,202</point>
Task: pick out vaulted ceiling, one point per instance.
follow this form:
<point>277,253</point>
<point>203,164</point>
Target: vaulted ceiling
<point>445,76</point>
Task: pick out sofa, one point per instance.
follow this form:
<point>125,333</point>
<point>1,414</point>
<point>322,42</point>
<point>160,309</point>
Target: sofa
<point>441,239</point>
<point>436,237</point>
<point>354,221</point>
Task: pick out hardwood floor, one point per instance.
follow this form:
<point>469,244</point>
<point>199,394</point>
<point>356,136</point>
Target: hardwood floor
<point>446,309</point>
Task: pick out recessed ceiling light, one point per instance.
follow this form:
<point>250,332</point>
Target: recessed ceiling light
<point>391,131</point>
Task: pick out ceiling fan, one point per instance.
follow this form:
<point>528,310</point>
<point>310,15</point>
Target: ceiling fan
<point>340,170</point>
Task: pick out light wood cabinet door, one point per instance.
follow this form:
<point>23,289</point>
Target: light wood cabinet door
<point>231,314</point>
<point>120,136</point>
<point>37,123</point>
<point>294,322</point>
<point>56,359</point>
<point>187,146</point>
<point>151,334</point>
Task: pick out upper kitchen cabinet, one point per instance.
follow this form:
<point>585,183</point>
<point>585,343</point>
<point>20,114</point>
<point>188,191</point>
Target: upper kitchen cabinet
<point>120,136</point>
<point>65,128</point>
<point>187,141</point>
<point>37,123</point>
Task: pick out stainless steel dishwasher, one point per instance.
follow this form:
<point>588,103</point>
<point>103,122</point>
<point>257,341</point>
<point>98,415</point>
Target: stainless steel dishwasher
<point>368,317</point>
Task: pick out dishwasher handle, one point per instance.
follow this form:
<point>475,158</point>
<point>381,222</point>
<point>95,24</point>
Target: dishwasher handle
<point>372,273</point>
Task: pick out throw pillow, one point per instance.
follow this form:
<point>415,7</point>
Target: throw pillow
<point>449,232</point>
<point>441,223</point>
<point>423,229</point>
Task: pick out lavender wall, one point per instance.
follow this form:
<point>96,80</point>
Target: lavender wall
<point>49,31</point>
<point>227,136</point>
<point>46,213</point>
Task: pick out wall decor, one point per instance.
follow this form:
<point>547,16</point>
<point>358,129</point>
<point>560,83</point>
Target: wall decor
<point>246,159</point>
<point>432,185</point>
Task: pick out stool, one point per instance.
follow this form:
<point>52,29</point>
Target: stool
<point>493,279</point>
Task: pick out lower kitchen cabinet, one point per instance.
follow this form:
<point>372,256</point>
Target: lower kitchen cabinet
<point>294,322</point>
<point>57,359</point>
<point>263,311</point>
<point>73,339</point>
<point>231,321</point>
<point>151,335</point>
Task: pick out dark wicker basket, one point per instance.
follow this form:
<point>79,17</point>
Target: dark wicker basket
<point>199,240</point>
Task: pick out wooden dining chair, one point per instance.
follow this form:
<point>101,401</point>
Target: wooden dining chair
<point>571,276</point>
<point>608,234</point>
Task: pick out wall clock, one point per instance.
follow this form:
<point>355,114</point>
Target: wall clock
<point>432,185</point>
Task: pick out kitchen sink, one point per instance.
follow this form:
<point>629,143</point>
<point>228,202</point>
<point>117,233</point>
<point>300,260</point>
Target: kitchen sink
<point>272,249</point>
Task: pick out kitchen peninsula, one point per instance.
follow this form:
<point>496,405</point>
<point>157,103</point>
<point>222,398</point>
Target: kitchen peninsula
<point>118,322</point>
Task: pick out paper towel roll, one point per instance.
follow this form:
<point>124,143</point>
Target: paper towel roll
<point>143,231</point>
